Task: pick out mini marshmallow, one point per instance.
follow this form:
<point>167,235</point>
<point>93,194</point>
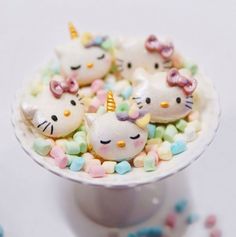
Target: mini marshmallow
<point>78,135</point>
<point>97,85</point>
<point>101,110</point>
<point>42,146</point>
<point>154,141</point>
<point>120,86</point>
<point>57,152</point>
<point>72,148</point>
<point>86,92</point>
<point>88,156</point>
<point>180,137</point>
<point>190,133</point>
<point>89,163</point>
<point>181,125</point>
<point>96,171</point>
<point>178,147</point>
<point>139,160</point>
<point>193,116</point>
<point>77,163</point>
<point>154,154</point>
<point>123,167</point>
<point>151,130</point>
<point>160,130</point>
<point>61,162</point>
<point>196,124</point>
<point>102,95</point>
<point>109,166</point>
<point>94,105</point>
<point>126,93</point>
<point>170,133</point>
<point>149,163</point>
<point>164,152</point>
<point>151,147</point>
<point>61,143</point>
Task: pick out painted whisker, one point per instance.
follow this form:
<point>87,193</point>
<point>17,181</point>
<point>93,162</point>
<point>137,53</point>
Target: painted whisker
<point>42,124</point>
<point>46,126</point>
<point>189,102</point>
<point>51,130</point>
<point>188,106</point>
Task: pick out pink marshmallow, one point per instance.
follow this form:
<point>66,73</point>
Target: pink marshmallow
<point>96,171</point>
<point>97,85</point>
<point>89,163</point>
<point>210,221</point>
<point>94,105</point>
<point>193,116</point>
<point>154,154</point>
<point>102,95</point>
<point>57,152</point>
<point>61,162</point>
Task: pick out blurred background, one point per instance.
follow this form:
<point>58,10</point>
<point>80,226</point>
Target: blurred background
<point>34,202</point>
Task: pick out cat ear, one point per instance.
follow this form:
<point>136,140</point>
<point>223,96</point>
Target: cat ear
<point>28,110</point>
<point>89,118</point>
<point>139,77</point>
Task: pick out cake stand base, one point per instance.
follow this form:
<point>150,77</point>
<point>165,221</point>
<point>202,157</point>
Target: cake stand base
<point>113,207</point>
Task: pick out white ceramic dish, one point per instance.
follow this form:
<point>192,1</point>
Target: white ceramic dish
<point>210,117</point>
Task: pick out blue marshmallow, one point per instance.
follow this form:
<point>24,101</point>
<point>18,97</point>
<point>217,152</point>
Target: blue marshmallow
<point>126,93</point>
<point>178,147</point>
<point>151,131</point>
<point>77,163</point>
<point>123,167</point>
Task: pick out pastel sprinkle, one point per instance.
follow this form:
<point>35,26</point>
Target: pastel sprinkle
<point>123,167</point>
<point>42,146</point>
<point>151,130</point>
<point>216,233</point>
<point>192,218</point>
<point>171,220</point>
<point>1,231</point>
<point>150,232</point>
<point>178,147</point>
<point>210,221</point>
<point>77,164</point>
<point>181,206</point>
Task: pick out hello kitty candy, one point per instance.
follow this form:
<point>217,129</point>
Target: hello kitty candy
<point>150,54</point>
<point>167,96</point>
<point>57,111</point>
<point>116,136</point>
<point>84,62</point>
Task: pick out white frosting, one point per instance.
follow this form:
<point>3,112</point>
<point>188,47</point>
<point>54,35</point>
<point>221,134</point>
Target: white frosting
<point>107,128</point>
<point>91,63</point>
<point>132,54</point>
<point>53,117</point>
<point>151,91</point>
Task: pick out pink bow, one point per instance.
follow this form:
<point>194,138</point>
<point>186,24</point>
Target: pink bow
<point>68,86</point>
<point>152,44</point>
<point>174,78</point>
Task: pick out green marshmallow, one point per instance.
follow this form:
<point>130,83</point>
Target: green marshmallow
<point>72,148</point>
<point>181,125</point>
<point>170,133</point>
<point>149,164</point>
<point>80,135</point>
<point>42,146</point>
<point>123,107</point>
<point>160,132</point>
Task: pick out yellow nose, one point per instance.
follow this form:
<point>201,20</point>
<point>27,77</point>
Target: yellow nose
<point>67,113</point>
<point>164,104</point>
<point>121,144</point>
<point>89,65</point>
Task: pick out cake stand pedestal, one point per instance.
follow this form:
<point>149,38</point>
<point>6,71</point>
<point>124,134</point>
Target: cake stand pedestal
<point>119,207</point>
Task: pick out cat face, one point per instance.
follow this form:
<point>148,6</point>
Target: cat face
<point>85,64</point>
<point>54,117</point>
<point>113,139</point>
<point>165,103</point>
<point>133,54</point>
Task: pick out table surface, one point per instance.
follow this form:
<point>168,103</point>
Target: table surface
<point>34,202</point>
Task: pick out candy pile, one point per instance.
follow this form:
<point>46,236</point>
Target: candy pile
<point>172,220</point>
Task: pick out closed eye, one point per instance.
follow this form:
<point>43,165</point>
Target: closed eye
<point>135,137</point>
<point>75,68</point>
<point>105,142</point>
<point>101,57</point>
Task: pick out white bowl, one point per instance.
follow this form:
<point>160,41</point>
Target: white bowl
<point>210,116</point>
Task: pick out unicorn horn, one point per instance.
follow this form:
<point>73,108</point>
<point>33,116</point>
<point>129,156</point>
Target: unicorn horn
<point>111,105</point>
<point>73,31</point>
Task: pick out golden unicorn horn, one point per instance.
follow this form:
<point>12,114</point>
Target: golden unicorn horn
<point>73,31</point>
<point>111,105</point>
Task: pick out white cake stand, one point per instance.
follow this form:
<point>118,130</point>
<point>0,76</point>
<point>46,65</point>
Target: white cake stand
<point>123,200</point>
